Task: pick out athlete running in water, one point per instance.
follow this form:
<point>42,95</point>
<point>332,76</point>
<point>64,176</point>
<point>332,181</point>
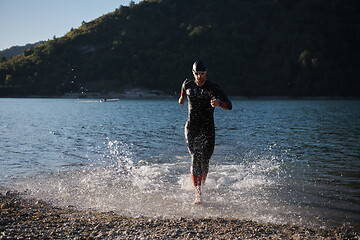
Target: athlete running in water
<point>203,96</point>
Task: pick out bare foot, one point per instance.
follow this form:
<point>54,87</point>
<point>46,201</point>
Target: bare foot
<point>197,195</point>
<point>197,201</point>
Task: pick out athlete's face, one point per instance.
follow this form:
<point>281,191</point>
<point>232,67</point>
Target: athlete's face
<point>200,77</point>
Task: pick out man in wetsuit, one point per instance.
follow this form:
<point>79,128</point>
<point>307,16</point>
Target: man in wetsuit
<point>203,96</point>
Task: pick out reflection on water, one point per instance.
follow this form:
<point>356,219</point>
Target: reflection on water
<point>275,161</point>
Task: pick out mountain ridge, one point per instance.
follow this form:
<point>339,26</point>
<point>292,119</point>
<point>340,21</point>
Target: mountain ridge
<point>16,50</point>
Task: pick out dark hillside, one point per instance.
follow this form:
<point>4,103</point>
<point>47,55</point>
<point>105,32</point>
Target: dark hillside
<point>16,50</point>
<point>252,47</point>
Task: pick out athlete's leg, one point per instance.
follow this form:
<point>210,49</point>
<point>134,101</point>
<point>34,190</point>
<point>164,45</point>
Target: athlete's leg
<point>200,143</point>
<point>209,145</point>
<point>203,178</point>
<point>199,171</point>
<point>196,177</point>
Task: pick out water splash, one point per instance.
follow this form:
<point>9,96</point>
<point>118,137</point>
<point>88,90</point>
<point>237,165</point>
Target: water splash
<point>119,157</point>
<point>132,187</point>
<point>127,185</point>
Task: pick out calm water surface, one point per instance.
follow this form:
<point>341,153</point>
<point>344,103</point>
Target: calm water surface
<point>275,161</point>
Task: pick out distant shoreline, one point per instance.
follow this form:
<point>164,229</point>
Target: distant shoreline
<point>140,93</point>
<point>31,218</point>
<point>120,97</point>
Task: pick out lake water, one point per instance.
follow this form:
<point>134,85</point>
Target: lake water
<point>284,161</point>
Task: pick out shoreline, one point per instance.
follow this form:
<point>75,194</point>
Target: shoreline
<point>165,97</point>
<point>31,218</point>
<point>175,97</point>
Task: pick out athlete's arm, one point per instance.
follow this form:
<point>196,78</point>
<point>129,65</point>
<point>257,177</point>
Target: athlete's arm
<point>181,100</point>
<point>182,95</point>
<point>221,100</point>
<point>223,104</point>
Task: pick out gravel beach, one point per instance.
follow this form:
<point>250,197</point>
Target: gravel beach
<point>23,218</point>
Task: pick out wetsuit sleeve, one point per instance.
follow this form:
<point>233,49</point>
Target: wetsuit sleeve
<point>225,103</point>
<point>182,91</point>
<point>183,88</point>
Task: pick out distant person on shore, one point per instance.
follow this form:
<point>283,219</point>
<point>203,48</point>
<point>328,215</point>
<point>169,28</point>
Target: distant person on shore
<point>203,96</point>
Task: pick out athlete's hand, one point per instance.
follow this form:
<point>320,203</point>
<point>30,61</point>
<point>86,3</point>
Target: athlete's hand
<point>181,100</point>
<point>214,102</point>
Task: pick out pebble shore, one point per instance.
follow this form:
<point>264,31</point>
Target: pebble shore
<point>23,218</point>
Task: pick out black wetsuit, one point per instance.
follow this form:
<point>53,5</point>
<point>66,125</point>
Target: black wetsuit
<point>199,128</point>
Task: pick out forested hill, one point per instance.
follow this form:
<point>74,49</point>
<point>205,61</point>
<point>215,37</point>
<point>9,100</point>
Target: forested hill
<point>252,48</point>
<point>16,50</point>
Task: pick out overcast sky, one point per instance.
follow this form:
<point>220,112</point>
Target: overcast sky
<point>30,21</point>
